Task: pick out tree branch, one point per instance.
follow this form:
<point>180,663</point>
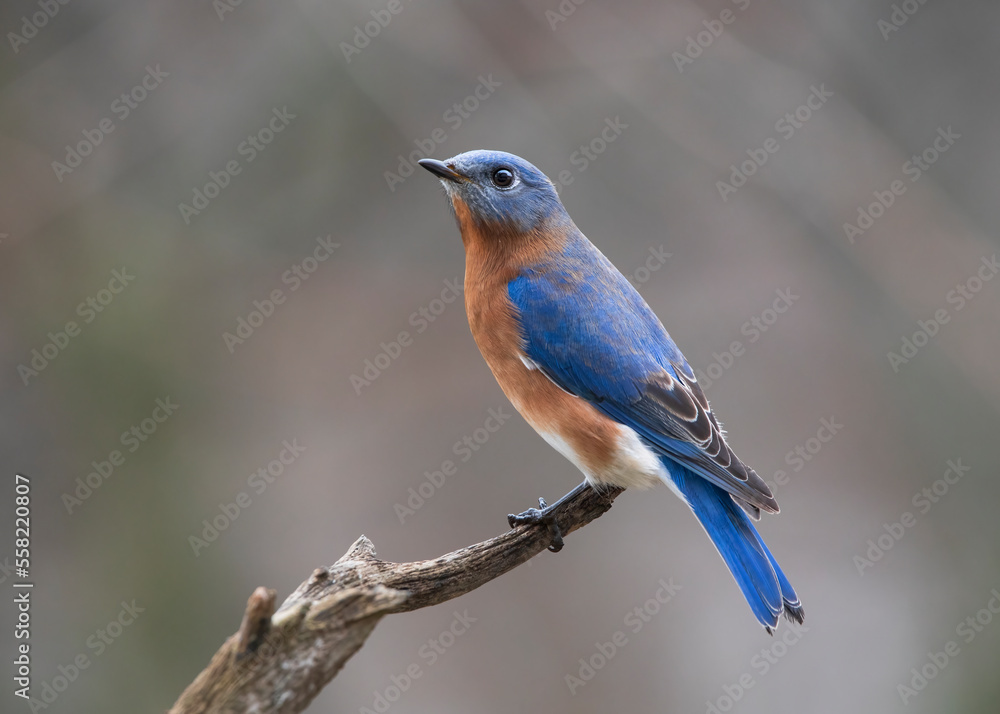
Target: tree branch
<point>279,661</point>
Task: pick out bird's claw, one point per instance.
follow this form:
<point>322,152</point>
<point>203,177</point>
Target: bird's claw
<point>542,515</point>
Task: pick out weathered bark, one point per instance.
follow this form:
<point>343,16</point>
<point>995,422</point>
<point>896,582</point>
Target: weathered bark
<point>280,660</point>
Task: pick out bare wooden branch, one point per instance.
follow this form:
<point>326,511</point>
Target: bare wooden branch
<point>278,661</point>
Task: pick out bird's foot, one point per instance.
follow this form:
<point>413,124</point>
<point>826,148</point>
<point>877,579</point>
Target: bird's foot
<point>543,515</point>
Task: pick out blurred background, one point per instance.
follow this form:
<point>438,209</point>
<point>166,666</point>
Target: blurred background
<point>221,196</point>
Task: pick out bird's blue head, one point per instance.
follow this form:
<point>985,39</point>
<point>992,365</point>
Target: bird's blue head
<point>498,191</point>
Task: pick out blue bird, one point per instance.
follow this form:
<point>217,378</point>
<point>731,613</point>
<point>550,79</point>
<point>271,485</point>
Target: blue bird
<point>591,368</point>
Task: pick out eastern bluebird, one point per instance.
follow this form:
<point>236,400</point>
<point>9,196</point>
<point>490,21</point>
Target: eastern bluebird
<point>591,368</point>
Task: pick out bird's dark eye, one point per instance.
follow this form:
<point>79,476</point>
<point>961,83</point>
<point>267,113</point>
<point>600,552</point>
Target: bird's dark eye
<point>503,178</point>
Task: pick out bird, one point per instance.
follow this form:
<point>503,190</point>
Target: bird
<point>588,364</point>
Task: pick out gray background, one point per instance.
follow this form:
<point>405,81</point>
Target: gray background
<point>653,187</point>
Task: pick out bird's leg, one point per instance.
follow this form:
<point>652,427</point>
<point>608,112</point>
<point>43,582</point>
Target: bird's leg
<point>544,514</point>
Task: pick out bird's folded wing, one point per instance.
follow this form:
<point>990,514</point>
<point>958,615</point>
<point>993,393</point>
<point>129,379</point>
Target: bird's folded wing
<point>597,339</point>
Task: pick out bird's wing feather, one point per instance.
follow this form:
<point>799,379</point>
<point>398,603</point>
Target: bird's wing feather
<point>592,334</point>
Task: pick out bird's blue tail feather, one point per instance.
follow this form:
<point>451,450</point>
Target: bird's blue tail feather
<point>764,586</point>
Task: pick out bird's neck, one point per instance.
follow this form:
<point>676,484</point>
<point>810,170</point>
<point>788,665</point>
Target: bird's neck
<point>500,248</point>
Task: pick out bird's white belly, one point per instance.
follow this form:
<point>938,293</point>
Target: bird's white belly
<point>632,463</point>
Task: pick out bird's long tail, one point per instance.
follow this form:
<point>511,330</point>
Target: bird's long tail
<point>764,586</point>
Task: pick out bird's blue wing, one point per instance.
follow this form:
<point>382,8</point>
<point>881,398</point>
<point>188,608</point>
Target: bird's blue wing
<point>587,329</point>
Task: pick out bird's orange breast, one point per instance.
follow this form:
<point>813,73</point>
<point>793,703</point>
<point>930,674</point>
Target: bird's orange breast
<point>592,440</point>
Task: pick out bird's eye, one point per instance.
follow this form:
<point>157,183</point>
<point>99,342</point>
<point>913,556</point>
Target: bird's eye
<point>503,178</point>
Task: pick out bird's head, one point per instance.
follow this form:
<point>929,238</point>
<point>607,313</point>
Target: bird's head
<point>498,193</point>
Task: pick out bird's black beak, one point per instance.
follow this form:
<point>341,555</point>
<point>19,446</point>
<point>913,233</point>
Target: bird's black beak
<point>442,170</point>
